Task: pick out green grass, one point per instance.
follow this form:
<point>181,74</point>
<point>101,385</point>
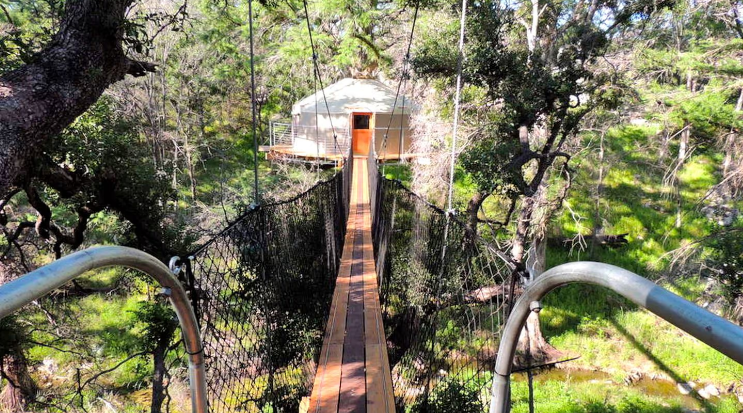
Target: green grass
<point>398,171</point>
<point>636,202</point>
<point>612,335</point>
<point>598,396</point>
<point>606,331</point>
<point>103,278</point>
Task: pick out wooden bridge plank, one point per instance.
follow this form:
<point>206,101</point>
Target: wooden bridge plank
<point>328,377</point>
<point>353,373</point>
<point>325,395</point>
<point>379,379</point>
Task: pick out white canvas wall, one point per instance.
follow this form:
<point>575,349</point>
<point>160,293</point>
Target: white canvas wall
<point>399,131</point>
<point>307,135</point>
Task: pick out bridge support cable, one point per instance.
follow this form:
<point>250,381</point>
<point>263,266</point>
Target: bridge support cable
<point>400,86</point>
<point>318,78</point>
<point>450,211</point>
<point>713,330</point>
<point>256,197</point>
<point>457,102</point>
<point>36,284</point>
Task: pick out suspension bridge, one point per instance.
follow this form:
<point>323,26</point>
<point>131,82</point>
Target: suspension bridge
<point>356,296</point>
<point>347,298</point>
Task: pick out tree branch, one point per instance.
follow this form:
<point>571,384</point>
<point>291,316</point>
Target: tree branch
<point>138,68</point>
<point>7,14</point>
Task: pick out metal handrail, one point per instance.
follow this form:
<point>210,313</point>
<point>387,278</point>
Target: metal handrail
<point>717,332</point>
<point>21,291</point>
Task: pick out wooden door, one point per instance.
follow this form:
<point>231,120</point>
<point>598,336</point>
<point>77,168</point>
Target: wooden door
<point>361,128</point>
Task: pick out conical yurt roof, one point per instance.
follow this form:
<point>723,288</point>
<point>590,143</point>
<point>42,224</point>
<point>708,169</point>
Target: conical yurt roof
<point>354,95</point>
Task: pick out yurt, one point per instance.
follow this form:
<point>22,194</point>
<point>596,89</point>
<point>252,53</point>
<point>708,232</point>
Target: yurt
<point>359,111</point>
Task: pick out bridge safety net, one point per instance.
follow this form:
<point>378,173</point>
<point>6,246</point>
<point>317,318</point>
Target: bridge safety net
<point>443,301</point>
<point>262,290</point>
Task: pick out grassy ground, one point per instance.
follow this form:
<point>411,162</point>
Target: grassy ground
<point>607,332</point>
<point>566,394</point>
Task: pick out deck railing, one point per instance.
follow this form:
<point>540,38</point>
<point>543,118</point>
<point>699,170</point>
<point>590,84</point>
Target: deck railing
<point>287,134</point>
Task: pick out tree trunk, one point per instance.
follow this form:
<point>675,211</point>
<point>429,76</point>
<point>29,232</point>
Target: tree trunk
<point>730,149</point>
<point>690,82</point>
<point>531,342</point>
<point>190,168</point>
<point>20,388</point>
<point>40,99</point>
<point>473,208</point>
<point>158,379</point>
<point>160,373</point>
<point>522,228</point>
<point>598,227</point>
<point>683,147</point>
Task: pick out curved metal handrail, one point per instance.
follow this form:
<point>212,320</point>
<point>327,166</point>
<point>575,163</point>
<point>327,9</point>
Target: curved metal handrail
<point>717,332</point>
<point>34,285</point>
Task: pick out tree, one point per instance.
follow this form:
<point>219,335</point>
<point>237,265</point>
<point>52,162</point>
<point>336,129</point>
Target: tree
<point>160,325</point>
<point>539,66</point>
<point>693,57</point>
<point>66,167</point>
<point>39,99</point>
<point>20,388</point>
<point>43,95</point>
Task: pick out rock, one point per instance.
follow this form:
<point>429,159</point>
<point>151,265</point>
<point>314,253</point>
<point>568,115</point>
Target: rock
<point>633,377</point>
<point>703,394</point>
<point>721,214</point>
<point>685,388</point>
<point>712,390</point>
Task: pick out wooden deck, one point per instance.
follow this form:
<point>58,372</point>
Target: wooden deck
<point>353,372</point>
<point>285,152</point>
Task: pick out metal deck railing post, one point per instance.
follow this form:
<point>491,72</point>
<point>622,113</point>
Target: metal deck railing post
<point>717,332</point>
<point>34,285</point>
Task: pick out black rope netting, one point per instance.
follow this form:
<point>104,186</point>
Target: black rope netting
<point>443,301</point>
<point>262,290</point>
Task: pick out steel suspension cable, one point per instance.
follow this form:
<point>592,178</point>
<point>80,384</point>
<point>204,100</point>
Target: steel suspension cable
<point>457,98</point>
<point>449,211</point>
<point>256,195</point>
<point>317,125</point>
<point>318,77</point>
<point>403,78</point>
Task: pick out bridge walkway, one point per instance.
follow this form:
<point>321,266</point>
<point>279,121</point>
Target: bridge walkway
<point>353,373</point>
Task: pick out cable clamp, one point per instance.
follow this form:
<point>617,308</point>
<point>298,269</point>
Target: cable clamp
<point>175,264</point>
<point>200,351</point>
